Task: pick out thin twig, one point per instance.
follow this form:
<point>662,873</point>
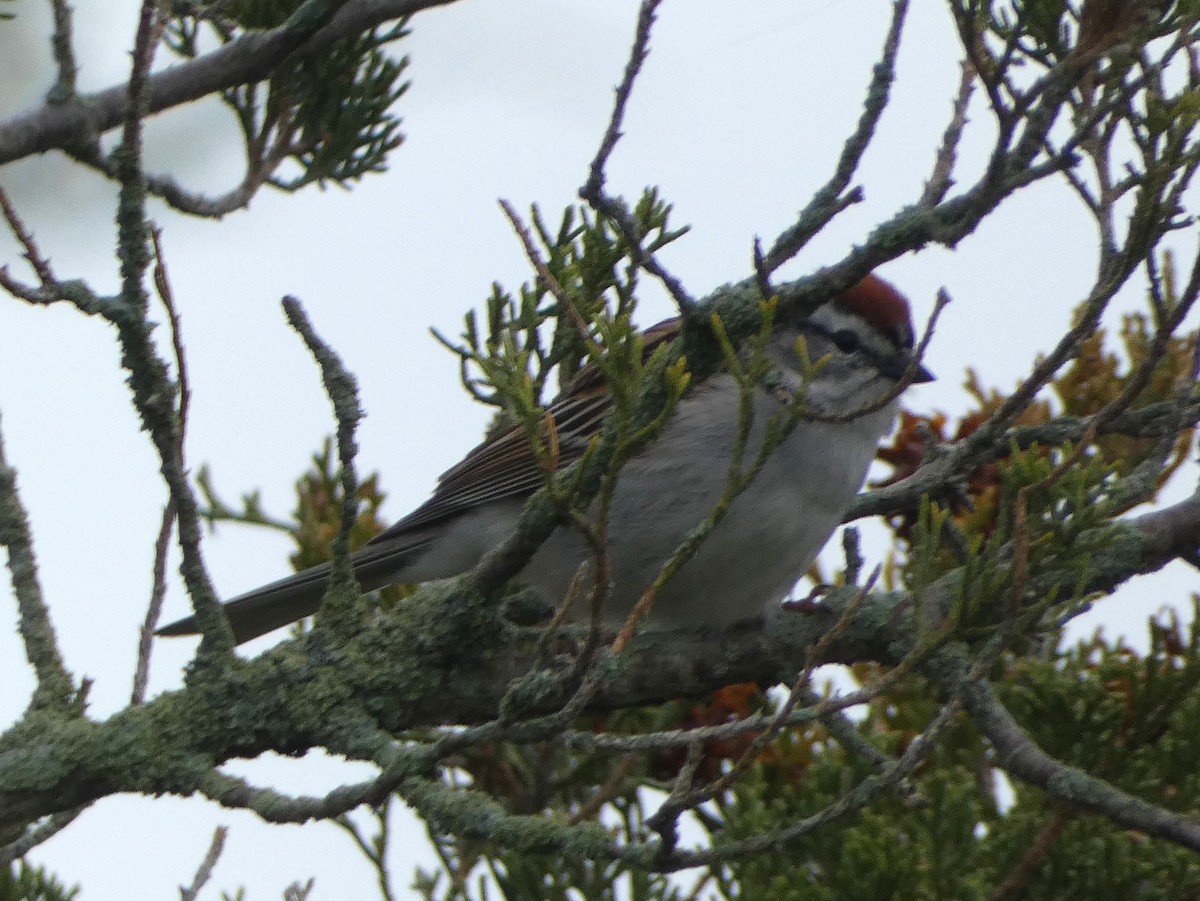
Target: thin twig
<point>607,790</point>
<point>36,835</point>
<point>595,534</point>
<point>1133,387</point>
<point>593,191</point>
<point>552,284</point>
<point>153,391</point>
<point>24,237</point>
<point>832,198</point>
<point>844,730</point>
<point>162,543</point>
<point>158,591</point>
<point>1152,421</point>
<point>64,53</point>
<point>298,892</point>
<point>1018,878</point>
<point>207,865</point>
<point>664,818</point>
<point>941,180</point>
<point>855,799</point>
<point>375,850</point>
<point>638,51</point>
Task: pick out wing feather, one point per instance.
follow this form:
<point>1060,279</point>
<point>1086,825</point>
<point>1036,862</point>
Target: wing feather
<point>505,466</point>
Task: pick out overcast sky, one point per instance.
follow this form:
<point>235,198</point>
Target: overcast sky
<point>738,117</point>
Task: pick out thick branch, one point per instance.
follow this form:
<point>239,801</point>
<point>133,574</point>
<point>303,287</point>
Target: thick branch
<point>1018,755</point>
<point>446,657</point>
<point>251,58</point>
<point>1152,421</point>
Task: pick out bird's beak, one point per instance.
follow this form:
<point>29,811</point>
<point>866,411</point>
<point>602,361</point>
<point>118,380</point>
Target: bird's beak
<point>896,366</point>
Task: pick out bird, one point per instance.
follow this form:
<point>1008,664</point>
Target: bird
<point>750,561</point>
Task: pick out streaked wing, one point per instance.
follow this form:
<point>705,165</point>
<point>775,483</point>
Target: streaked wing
<point>505,466</point>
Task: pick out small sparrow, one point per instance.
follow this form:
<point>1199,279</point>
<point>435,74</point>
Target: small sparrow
<point>752,558</point>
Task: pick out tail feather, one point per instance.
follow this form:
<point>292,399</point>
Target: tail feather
<point>299,595</point>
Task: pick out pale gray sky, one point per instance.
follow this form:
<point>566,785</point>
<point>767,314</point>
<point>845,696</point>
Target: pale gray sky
<point>738,117</point>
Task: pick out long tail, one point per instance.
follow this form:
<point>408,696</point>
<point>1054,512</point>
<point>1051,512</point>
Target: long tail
<point>292,598</point>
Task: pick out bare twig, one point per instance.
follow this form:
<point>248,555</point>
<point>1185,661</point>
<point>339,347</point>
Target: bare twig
<point>158,591</point>
<point>683,796</point>
<point>374,850</point>
<point>162,544</point>
<point>178,197</point>
<point>41,266</point>
<point>608,790</point>
<point>638,52</point>
<point>64,53</point>
<point>832,198</point>
<point>207,865</point>
<point>1152,421</point>
<point>665,820</point>
<point>943,166</point>
<point>38,834</point>
<point>299,892</point>
<point>593,191</point>
<point>552,284</point>
<point>153,392</point>
<point>594,533</point>
<point>844,730</point>
<point>1018,878</point>
<point>753,724</point>
<point>858,797</point>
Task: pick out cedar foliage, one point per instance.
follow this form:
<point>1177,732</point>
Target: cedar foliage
<point>954,828</point>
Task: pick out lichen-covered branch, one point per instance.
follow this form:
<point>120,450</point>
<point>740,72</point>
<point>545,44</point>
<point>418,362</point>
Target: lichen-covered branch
<point>411,671</point>
<point>80,120</point>
<point>55,688</point>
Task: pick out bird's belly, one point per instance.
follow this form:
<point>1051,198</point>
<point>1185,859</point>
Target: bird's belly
<point>752,557</point>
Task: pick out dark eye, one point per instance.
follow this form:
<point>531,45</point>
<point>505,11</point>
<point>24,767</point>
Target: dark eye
<point>846,340</point>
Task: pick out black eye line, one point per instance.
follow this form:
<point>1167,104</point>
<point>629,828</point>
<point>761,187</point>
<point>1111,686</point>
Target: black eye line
<point>857,344</point>
<point>866,353</point>
<point>843,339</point>
<point>846,340</point>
